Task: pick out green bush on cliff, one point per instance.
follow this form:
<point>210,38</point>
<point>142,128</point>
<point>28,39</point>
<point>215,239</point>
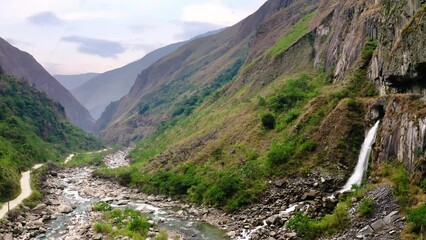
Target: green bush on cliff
<point>417,216</point>
<point>268,121</point>
<point>366,207</point>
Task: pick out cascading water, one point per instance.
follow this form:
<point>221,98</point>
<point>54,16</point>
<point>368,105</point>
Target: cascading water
<point>364,155</point>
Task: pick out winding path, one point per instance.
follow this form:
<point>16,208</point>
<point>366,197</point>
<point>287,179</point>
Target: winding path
<point>26,191</point>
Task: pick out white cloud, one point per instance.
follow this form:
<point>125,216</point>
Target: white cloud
<point>213,13</point>
<point>154,24</point>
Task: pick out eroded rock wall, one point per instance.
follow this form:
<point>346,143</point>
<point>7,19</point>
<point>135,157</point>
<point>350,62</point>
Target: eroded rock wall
<point>399,65</point>
<point>403,129</point>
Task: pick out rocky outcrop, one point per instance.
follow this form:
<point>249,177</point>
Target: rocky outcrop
<point>400,60</point>
<point>341,28</point>
<point>384,223</point>
<point>402,134</point>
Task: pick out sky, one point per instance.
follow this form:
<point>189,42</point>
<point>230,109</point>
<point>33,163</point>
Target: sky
<point>80,36</point>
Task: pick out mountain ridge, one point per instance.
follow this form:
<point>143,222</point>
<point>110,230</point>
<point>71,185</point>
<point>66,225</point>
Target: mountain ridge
<point>21,64</point>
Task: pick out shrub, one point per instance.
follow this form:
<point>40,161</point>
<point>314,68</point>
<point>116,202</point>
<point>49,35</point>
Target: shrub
<point>417,216</point>
<point>139,225</point>
<point>102,207</point>
<point>311,228</point>
<point>217,153</point>
<point>143,109</point>
<point>162,235</point>
<point>280,153</point>
<point>401,182</point>
<point>102,227</point>
<point>268,121</point>
<point>291,116</point>
<point>366,207</point>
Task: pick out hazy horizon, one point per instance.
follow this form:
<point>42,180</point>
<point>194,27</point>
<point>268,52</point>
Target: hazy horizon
<point>76,37</point>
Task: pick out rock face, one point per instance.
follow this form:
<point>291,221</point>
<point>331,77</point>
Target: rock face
<point>402,134</point>
<point>400,60</point>
<point>20,64</point>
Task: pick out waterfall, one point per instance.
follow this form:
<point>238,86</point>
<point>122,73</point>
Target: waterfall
<point>364,155</point>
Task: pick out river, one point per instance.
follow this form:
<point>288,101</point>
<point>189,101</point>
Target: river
<point>77,187</point>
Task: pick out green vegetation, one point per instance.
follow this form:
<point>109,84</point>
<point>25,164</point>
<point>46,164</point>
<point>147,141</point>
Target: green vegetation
<point>330,224</point>
<point>366,207</point>
<point>416,217</point>
<point>88,158</point>
<point>162,235</point>
<point>33,129</point>
<point>268,121</point>
<point>201,158</point>
<point>401,183</point>
<point>102,207</point>
<point>127,222</point>
<point>37,177</point>
<point>300,29</point>
<point>188,104</point>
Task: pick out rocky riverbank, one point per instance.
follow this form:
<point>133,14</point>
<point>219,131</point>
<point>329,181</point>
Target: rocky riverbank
<point>66,213</point>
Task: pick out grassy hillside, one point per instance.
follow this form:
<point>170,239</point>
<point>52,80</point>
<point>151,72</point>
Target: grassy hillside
<point>33,129</point>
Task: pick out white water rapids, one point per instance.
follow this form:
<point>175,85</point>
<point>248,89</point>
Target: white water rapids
<point>364,155</point>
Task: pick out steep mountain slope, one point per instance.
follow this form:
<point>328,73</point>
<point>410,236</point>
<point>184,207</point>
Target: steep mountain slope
<point>192,68</point>
<point>20,64</point>
<point>72,82</point>
<point>110,86</point>
<point>33,129</point>
<point>274,110</point>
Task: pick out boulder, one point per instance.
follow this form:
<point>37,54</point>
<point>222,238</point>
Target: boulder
<point>311,195</point>
<point>391,217</point>
<point>378,225</point>
<point>272,219</point>
<point>64,208</point>
<point>8,237</point>
<point>364,231</point>
<point>40,207</point>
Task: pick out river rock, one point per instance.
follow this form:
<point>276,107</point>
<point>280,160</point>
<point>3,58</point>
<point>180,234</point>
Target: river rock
<point>272,219</point>
<point>8,237</point>
<point>311,195</point>
<point>65,208</point>
<point>40,207</point>
<point>123,202</point>
<point>54,202</point>
<point>97,237</point>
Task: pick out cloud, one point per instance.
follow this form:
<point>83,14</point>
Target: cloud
<point>16,42</point>
<point>45,19</point>
<point>192,29</point>
<point>214,13</point>
<point>98,47</point>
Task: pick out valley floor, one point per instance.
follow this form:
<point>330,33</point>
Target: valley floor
<point>66,211</point>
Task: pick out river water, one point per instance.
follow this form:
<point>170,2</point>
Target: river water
<point>61,227</point>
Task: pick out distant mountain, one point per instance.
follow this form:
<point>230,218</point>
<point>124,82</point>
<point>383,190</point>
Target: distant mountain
<point>72,82</point>
<point>110,86</point>
<point>21,64</point>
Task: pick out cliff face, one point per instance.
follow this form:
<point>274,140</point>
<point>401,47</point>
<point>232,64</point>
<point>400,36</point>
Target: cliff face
<point>398,68</point>
<point>402,135</point>
<point>400,61</point>
<point>20,64</point>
